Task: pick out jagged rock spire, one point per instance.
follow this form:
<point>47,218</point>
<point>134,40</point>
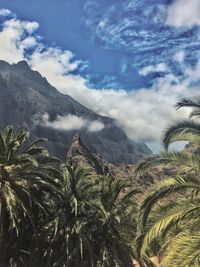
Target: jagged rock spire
<point>79,153</point>
<point>77,147</point>
<point>76,138</point>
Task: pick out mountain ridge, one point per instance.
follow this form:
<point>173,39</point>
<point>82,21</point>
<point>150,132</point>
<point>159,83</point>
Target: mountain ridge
<point>26,97</point>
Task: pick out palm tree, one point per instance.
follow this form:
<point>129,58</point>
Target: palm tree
<point>116,231</point>
<point>69,233</point>
<point>24,176</point>
<point>93,224</point>
<point>169,215</point>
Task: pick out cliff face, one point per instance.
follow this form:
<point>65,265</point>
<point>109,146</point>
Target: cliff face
<point>27,97</point>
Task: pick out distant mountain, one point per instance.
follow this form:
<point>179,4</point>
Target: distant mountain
<point>29,101</point>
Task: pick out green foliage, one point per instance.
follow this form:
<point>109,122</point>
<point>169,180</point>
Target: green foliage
<point>53,214</point>
<point>24,181</point>
<point>188,244</point>
<point>173,225</point>
<point>93,224</point>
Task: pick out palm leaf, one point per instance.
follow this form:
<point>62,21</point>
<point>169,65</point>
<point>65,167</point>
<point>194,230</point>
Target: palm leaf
<point>187,102</point>
<point>188,245</point>
<point>186,209</point>
<point>179,128</point>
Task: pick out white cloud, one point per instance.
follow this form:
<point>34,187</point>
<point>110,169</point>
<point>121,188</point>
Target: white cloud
<point>31,26</point>
<point>184,13</point>
<point>53,61</point>
<point>179,56</point>
<point>28,42</point>
<point>72,122</point>
<point>69,122</point>
<point>142,114</point>
<point>5,12</point>
<point>14,40</point>
<point>161,67</point>
<point>95,126</point>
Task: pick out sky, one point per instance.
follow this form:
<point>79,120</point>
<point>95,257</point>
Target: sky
<point>127,59</point>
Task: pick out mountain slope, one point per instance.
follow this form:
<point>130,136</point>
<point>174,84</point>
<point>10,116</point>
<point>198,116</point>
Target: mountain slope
<point>27,98</point>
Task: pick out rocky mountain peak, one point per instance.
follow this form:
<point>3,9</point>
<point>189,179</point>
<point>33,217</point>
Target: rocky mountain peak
<point>79,153</point>
<point>76,140</point>
<point>23,64</point>
<point>77,147</point>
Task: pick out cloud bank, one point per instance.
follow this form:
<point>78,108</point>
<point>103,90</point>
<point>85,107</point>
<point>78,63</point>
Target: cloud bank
<point>142,114</point>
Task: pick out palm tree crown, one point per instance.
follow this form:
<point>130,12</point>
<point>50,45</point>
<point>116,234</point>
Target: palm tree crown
<point>23,173</point>
<point>169,215</point>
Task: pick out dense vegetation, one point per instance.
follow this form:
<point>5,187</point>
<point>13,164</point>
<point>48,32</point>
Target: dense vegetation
<point>57,215</point>
<point>53,214</point>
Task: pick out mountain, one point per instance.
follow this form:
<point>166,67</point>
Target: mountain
<point>80,154</point>
<point>29,101</point>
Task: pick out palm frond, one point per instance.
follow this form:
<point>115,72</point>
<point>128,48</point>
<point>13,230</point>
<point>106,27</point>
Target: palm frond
<point>190,137</point>
<point>184,210</point>
<point>188,245</point>
<point>188,102</point>
<point>195,112</point>
<point>164,189</point>
<point>181,160</point>
<point>179,128</point>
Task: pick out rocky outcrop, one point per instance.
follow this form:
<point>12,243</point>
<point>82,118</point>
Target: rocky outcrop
<point>27,97</point>
<point>79,154</point>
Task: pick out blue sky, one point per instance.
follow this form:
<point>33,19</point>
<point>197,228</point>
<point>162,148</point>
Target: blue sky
<point>114,58</point>
<point>134,52</point>
<point>65,24</point>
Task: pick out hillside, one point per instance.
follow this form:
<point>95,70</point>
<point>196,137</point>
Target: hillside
<point>79,154</point>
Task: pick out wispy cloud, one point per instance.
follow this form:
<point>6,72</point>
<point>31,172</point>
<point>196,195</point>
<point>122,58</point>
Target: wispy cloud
<point>161,67</point>
<point>148,31</point>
